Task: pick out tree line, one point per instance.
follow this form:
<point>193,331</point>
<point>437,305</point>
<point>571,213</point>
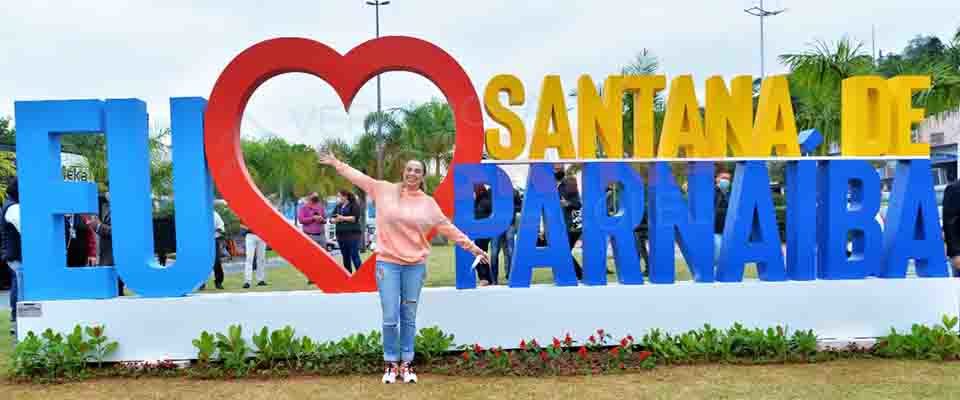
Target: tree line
<point>426,131</point>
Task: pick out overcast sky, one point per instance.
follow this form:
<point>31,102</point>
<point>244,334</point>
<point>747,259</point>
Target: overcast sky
<point>155,50</point>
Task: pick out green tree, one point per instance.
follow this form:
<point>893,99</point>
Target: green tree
<point>429,129</point>
<point>386,133</point>
<point>815,77</point>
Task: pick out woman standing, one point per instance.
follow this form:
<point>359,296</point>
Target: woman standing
<point>347,217</point>
<point>405,216</point>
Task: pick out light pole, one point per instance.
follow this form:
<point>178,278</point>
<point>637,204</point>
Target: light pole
<point>759,11</point>
<point>376,5</point>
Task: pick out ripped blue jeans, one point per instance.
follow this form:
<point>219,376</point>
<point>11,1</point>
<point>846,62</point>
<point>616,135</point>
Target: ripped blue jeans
<point>399,287</point>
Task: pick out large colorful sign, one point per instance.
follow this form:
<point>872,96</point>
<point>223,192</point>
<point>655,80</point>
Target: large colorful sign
<point>822,214</point>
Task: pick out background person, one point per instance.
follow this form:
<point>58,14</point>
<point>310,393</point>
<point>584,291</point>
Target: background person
<point>101,226</point>
<point>506,241</point>
<point>482,208</point>
<point>10,245</point>
<point>218,231</point>
<point>81,243</point>
<point>405,215</point>
<point>721,199</point>
<point>951,225</point>
<point>313,219</point>
<point>349,232</point>
<point>255,250</point>
<point>571,205</point>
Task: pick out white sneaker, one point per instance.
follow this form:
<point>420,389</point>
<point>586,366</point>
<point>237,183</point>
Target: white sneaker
<point>406,373</point>
<point>390,374</point>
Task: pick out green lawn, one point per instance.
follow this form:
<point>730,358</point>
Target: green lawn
<point>849,379</point>
<point>6,341</point>
<point>440,272</point>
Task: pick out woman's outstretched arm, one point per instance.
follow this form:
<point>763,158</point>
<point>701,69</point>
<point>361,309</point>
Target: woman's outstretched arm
<point>364,182</point>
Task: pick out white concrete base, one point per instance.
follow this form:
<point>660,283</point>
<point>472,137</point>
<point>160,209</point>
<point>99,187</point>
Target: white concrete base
<point>152,329</point>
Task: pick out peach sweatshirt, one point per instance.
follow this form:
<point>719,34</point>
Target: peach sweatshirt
<point>404,218</point>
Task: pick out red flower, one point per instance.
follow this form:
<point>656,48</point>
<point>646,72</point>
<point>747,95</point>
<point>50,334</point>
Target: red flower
<point>466,356</point>
<point>643,355</point>
<point>523,344</point>
<point>568,340</point>
<point>544,356</point>
<point>556,343</point>
<point>615,351</point>
<point>592,339</point>
<point>582,352</point>
<point>624,342</point>
<point>496,352</point>
<point>600,332</point>
<point>622,366</point>
<point>630,338</point>
<point>477,348</point>
<point>534,344</point>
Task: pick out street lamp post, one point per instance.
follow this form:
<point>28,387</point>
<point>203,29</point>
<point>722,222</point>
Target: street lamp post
<point>759,11</point>
<point>376,5</point>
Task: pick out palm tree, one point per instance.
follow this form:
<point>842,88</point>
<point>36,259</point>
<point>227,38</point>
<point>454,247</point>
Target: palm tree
<point>385,130</point>
<point>644,63</point>
<point>815,79</point>
<point>429,131</point>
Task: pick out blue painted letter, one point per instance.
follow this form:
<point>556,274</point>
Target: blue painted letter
<point>45,198</point>
<point>670,216</point>
<point>465,177</point>
<point>850,193</point>
<point>598,225</point>
<point>750,232</point>
<point>913,226</point>
<point>542,200</point>
<point>801,213</point>
<point>127,149</point>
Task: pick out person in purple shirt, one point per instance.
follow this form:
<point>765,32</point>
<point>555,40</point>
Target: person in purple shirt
<point>313,219</point>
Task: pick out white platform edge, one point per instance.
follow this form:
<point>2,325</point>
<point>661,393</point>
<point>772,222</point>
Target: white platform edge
<point>163,328</point>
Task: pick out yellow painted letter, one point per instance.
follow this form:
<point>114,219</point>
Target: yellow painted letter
<point>865,116</point>
<point>904,115</point>
<point>644,89</point>
<point>504,116</point>
<point>682,125</point>
<point>729,116</point>
<point>775,130</point>
<point>552,110</point>
<point>600,120</point>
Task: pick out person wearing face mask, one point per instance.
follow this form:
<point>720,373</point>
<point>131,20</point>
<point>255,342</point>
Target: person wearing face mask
<point>405,216</point>
<point>721,198</point>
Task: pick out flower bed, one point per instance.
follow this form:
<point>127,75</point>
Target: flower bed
<point>55,357</point>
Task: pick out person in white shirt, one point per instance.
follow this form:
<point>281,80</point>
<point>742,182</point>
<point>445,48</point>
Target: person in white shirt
<point>218,232</point>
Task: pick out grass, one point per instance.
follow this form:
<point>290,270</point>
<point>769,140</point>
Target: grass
<point>6,341</point>
<point>849,379</point>
<point>440,272</point>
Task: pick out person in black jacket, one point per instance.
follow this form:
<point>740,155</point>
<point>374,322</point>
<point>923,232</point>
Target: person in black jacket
<point>347,217</point>
<point>102,227</point>
<point>10,245</point>
<point>570,203</point>
<point>721,199</point>
<point>951,225</point>
<point>482,208</point>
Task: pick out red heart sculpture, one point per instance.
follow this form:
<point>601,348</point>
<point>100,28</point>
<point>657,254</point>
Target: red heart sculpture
<point>346,73</point>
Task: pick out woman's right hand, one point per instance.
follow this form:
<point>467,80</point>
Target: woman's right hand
<point>483,256</point>
<point>327,158</point>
